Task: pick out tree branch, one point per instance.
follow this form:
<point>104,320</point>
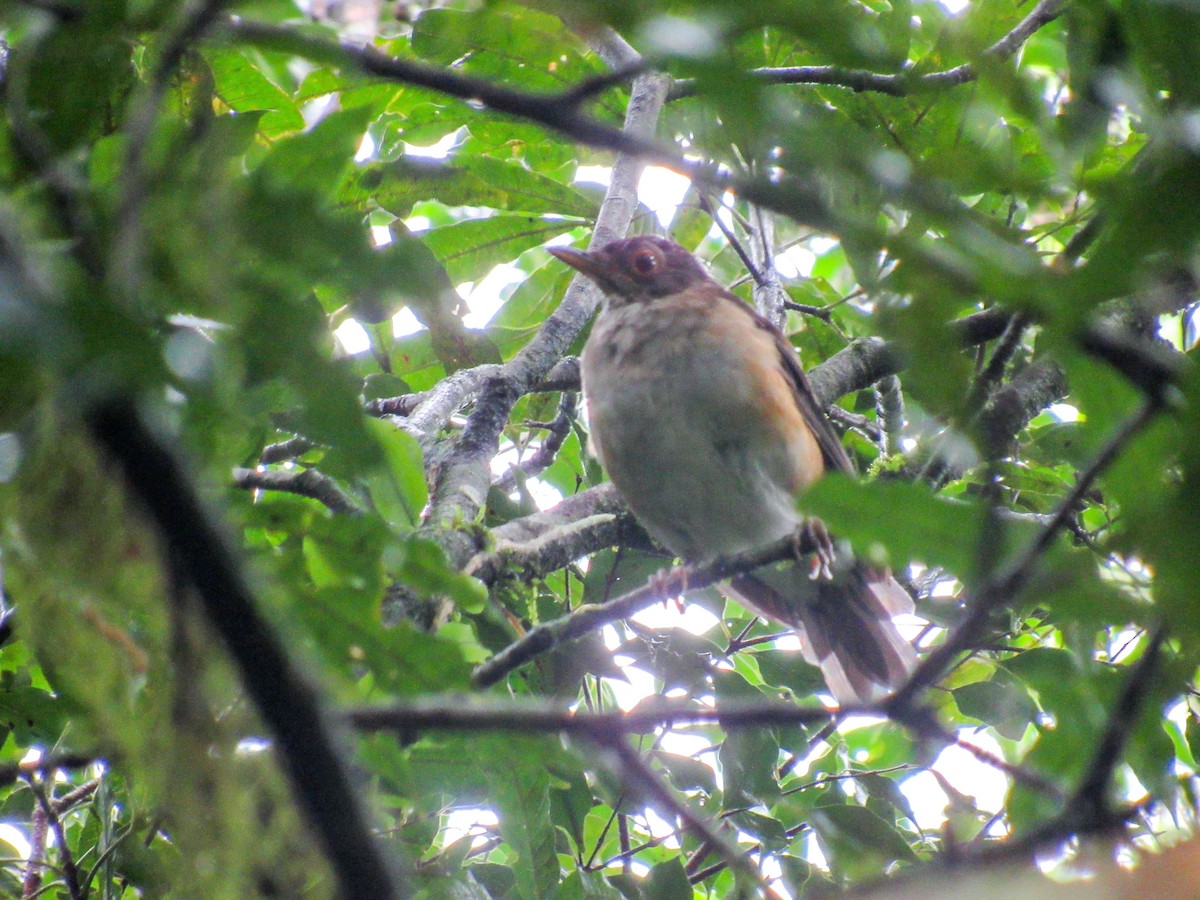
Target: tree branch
<point>475,713</point>
<point>541,459</point>
<point>900,84</point>
<point>666,585</point>
<point>1089,809</point>
<point>49,810</point>
<point>288,704</point>
<point>464,476</point>
<point>632,768</point>
<point>1003,587</point>
<point>302,482</point>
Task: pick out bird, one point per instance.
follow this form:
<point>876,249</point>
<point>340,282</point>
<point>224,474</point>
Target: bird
<point>700,413</point>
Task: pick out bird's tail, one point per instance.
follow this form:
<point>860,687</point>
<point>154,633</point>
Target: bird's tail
<point>845,624</point>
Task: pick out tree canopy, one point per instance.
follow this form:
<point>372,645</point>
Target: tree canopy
<point>310,585</point>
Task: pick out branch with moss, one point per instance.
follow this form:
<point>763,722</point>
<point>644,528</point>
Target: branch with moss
<point>202,558</point>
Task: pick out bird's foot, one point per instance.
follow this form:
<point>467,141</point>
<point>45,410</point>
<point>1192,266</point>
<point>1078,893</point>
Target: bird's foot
<point>672,584</point>
<point>821,564</point>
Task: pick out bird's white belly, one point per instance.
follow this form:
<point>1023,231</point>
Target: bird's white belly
<point>689,453</point>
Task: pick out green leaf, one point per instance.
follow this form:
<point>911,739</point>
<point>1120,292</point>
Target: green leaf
<point>668,881</point>
<point>749,760</point>
<point>688,774</point>
<point>242,86</point>
<point>399,492</point>
<point>421,564</point>
<point>468,180</point>
<point>77,76</point>
<point>1002,703</point>
<point>911,523</point>
<point>471,249</point>
<point>521,787</point>
<point>769,830</point>
<point>854,830</point>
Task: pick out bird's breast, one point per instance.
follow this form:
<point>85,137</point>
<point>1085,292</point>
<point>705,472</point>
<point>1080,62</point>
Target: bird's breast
<point>679,420</point>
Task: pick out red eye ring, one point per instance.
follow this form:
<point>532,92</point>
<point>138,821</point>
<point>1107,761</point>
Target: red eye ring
<point>645,262</point>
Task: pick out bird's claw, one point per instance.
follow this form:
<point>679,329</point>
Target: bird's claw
<point>821,564</point>
<point>672,584</point>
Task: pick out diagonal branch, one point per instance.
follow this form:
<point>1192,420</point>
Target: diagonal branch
<point>464,477</point>
<point>287,702</point>
<point>1089,809</point>
<point>664,586</point>
<point>632,768</point>
<point>1002,587</point>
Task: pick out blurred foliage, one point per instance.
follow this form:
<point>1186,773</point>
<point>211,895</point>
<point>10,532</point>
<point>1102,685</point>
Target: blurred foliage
<point>188,216</point>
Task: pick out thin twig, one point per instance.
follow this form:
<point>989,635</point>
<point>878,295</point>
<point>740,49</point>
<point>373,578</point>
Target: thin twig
<point>67,859</point>
<point>672,583</point>
<point>558,429</point>
<point>633,768</point>
<point>732,238</point>
<point>900,84</point>
<point>302,482</point>
<point>1004,586</point>
<point>598,84</point>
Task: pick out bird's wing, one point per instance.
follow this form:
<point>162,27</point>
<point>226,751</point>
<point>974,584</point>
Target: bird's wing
<point>834,454</point>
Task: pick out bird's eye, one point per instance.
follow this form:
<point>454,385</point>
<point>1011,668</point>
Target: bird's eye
<point>645,262</point>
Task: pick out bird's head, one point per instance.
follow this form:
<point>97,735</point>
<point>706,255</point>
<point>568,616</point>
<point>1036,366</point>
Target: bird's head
<point>638,269</point>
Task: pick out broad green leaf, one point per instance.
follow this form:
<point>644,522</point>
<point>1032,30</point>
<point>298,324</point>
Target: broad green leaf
<point>912,524</point>
<point>850,829</point>
<point>1002,703</point>
<point>421,564</point>
<point>464,179</point>
<point>242,87</point>
<point>399,492</point>
<point>668,881</point>
<point>522,790</point>
<point>470,249</point>
<point>749,759</point>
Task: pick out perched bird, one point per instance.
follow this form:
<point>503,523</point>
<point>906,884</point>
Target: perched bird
<point>702,417</point>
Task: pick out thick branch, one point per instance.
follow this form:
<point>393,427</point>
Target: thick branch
<point>1014,406</point>
<point>534,545</point>
<point>476,713</point>
<point>288,704</point>
<point>464,477</point>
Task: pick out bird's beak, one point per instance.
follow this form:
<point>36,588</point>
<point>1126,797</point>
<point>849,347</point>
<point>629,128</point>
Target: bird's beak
<point>577,259</point>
